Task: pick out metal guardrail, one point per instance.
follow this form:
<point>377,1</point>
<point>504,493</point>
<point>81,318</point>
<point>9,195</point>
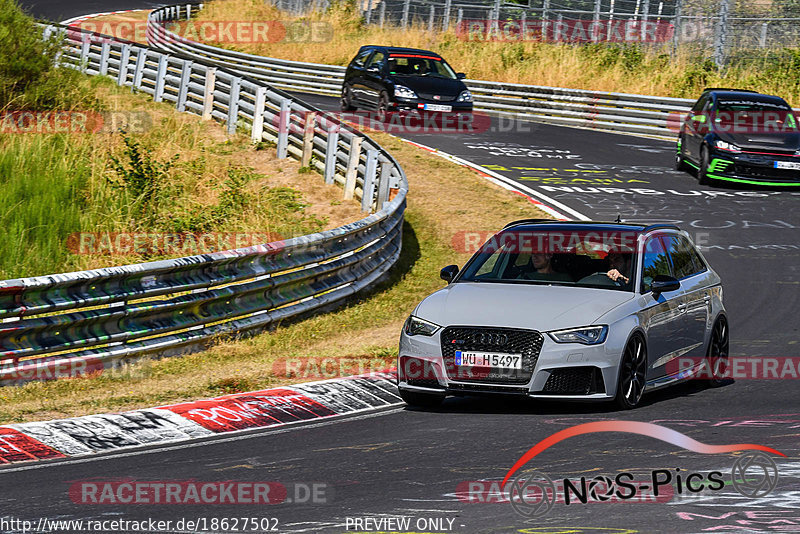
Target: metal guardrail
<point>91,319</point>
<point>617,112</point>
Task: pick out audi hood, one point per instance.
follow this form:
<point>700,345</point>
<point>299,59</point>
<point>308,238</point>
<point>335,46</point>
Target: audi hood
<point>531,306</point>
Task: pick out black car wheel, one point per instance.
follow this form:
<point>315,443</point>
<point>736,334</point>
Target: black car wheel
<point>383,107</point>
<point>680,164</point>
<point>717,357</point>
<point>347,99</point>
<point>421,400</point>
<point>702,172</point>
<point>630,386</point>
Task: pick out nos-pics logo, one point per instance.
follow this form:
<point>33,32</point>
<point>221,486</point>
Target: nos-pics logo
<point>533,494</point>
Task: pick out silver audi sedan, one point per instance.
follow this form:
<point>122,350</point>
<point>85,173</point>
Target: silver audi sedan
<point>568,310</point>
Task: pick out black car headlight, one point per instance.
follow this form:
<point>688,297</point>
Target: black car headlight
<point>419,327</point>
<point>724,145</point>
<point>586,335</point>
<point>401,91</point>
<point>465,96</point>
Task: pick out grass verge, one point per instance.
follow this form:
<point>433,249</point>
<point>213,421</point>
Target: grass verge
<point>445,199</point>
<point>177,176</point>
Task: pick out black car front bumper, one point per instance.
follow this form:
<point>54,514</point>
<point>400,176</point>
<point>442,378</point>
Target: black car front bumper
<point>754,168</point>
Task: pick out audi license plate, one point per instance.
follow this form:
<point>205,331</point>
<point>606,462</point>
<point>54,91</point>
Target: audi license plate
<point>787,165</point>
<point>437,107</point>
<point>489,359</point>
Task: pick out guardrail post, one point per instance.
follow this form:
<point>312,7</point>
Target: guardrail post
<point>188,11</point>
<point>676,26</point>
<point>105,48</point>
<point>383,184</point>
<point>161,76</point>
<point>208,92</point>
<point>233,104</point>
<point>138,70</point>
<point>283,128</point>
<point>124,59</point>
<point>596,21</point>
<point>383,14</point>
<point>257,132</point>
<point>446,21</point>
<point>721,34</point>
<point>352,167</point>
<point>459,17</point>
<point>645,17</point>
<point>331,150</point>
<point>186,73</point>
<point>370,170</point>
<point>430,17</point>
<point>546,17</point>
<point>308,138</point>
<point>762,40</point>
<point>611,19</point>
<point>406,4</point>
<point>368,16</point>
<point>85,54</point>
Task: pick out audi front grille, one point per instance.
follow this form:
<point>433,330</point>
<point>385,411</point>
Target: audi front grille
<point>528,343</point>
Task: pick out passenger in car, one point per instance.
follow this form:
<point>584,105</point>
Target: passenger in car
<point>543,269</point>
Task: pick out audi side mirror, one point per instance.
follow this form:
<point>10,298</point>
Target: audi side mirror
<point>449,273</point>
<point>663,283</point>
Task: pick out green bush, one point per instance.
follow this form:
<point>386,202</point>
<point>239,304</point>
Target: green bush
<point>29,78</point>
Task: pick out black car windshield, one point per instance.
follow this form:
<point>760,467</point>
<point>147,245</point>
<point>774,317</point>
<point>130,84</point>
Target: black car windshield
<point>755,116</point>
<point>419,65</point>
<point>574,257</point>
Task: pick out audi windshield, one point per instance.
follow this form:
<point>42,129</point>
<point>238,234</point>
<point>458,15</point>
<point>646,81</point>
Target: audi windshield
<point>583,258</point>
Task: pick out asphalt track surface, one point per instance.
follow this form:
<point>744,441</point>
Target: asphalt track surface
<point>403,462</point>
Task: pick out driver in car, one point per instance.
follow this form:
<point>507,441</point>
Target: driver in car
<point>620,267</point>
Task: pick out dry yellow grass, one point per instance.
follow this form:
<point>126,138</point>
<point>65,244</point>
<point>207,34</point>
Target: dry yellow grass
<point>654,71</point>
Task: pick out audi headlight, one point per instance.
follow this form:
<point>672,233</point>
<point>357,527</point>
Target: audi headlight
<point>401,91</point>
<point>465,96</point>
<point>419,327</point>
<point>730,147</point>
<point>587,335</point>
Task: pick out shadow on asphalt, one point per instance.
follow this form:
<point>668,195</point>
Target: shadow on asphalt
<point>507,404</point>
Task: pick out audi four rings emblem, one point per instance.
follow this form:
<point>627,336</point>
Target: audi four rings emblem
<point>488,338</point>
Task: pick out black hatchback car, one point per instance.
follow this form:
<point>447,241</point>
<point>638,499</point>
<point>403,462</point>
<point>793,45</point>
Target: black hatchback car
<point>741,136</point>
<point>390,79</point>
